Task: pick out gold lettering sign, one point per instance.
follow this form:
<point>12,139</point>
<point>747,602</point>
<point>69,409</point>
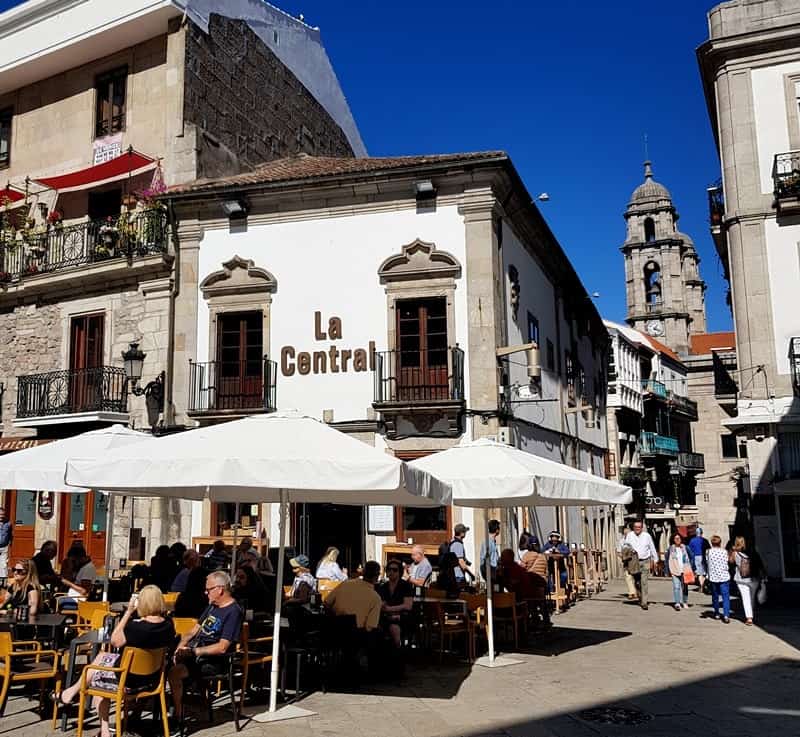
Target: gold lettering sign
<point>333,359</point>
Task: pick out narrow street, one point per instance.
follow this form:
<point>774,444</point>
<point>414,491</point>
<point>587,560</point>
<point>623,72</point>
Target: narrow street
<point>677,673</point>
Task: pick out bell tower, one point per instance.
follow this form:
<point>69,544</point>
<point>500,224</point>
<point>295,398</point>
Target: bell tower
<point>664,291</point>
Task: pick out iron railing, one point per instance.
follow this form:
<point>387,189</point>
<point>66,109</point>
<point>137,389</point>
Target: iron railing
<point>716,205</point>
<point>419,376</point>
<point>233,386</point>
<point>682,404</point>
<point>786,175</point>
<point>692,461</point>
<point>99,389</point>
<point>68,246</point>
<point>633,476</point>
<point>654,306</point>
<point>794,364</point>
<point>654,387</point>
<point>651,443</point>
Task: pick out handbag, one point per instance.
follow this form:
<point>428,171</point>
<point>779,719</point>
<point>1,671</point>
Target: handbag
<point>688,575</point>
<point>102,679</point>
<point>761,592</point>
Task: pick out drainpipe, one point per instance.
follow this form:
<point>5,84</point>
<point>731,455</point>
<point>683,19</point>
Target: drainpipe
<point>175,290</point>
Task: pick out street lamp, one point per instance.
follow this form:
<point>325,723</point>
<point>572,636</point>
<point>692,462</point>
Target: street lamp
<point>133,360</point>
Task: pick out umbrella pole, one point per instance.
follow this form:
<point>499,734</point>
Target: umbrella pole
<point>109,531</point>
<point>489,608</point>
<point>236,519</point>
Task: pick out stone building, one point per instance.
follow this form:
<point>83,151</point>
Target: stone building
<point>102,106</point>
<point>750,68</point>
<point>375,293</point>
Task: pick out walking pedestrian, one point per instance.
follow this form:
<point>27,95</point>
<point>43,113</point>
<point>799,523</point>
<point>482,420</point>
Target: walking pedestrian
<point>630,582</point>
<point>6,536</point>
<point>746,576</point>
<point>698,547</point>
<point>719,575</point>
<point>677,563</point>
<point>641,541</point>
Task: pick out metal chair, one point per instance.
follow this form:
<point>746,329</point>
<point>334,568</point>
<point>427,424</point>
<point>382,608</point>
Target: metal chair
<point>43,668</point>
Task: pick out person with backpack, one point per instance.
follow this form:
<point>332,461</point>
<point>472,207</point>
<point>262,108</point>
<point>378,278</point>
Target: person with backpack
<point>456,546</point>
<point>745,576</point>
<point>698,549</point>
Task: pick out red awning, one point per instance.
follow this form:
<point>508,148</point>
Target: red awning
<point>10,195</point>
<point>128,164</point>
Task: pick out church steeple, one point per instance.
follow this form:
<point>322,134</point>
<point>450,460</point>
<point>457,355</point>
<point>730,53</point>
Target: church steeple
<point>665,294</point>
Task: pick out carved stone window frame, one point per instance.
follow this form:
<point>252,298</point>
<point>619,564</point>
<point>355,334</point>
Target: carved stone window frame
<point>239,286</point>
<point>420,271</point>
<point>792,95</point>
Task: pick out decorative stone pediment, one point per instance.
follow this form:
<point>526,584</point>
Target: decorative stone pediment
<point>238,276</point>
<point>419,260</point>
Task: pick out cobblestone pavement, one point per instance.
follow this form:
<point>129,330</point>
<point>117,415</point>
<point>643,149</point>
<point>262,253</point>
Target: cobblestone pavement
<point>607,669</point>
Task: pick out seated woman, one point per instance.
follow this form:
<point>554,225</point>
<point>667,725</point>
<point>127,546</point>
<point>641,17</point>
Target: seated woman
<point>397,596</point>
<point>329,567</point>
<point>149,630</point>
<point>249,590</point>
<point>24,589</point>
<point>446,579</point>
<point>81,576</point>
<point>304,583</point>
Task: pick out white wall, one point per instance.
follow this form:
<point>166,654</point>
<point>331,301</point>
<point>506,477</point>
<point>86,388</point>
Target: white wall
<point>331,265</point>
<point>770,115</point>
<point>783,262</point>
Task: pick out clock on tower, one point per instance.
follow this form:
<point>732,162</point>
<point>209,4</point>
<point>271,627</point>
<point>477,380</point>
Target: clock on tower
<point>655,328</point>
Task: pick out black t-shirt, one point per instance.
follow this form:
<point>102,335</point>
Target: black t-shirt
<point>218,623</point>
<point>18,597</point>
<point>44,568</point>
<point>403,590</point>
<point>149,636</point>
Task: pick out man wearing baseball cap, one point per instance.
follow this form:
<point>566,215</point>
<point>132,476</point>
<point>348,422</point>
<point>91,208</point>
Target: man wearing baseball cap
<point>457,546</point>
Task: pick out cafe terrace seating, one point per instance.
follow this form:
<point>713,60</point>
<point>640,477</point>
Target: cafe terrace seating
<point>40,665</point>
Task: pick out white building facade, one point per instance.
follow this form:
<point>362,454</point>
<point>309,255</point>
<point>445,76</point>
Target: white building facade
<point>751,73</point>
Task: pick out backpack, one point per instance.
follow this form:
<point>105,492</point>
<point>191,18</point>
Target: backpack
<point>744,566</point>
<point>444,549</point>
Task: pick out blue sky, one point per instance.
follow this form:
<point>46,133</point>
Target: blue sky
<point>568,89</point>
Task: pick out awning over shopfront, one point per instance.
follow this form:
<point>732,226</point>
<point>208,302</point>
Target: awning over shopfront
<point>130,164</point>
<point>10,196</point>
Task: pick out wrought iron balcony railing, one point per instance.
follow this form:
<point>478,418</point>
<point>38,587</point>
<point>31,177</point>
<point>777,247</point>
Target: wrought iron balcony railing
<point>416,377</point>
<point>794,364</point>
<point>656,388</point>
<point>716,205</point>
<point>233,387</point>
<point>25,254</point>
<point>652,444</point>
<point>692,461</point>
<point>682,404</point>
<point>99,389</point>
<point>786,177</point>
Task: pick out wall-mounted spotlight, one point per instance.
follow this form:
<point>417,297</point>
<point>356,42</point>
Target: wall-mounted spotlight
<point>234,208</point>
<point>424,189</point>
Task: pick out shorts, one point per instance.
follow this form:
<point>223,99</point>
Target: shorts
<point>699,566</point>
<point>205,667</point>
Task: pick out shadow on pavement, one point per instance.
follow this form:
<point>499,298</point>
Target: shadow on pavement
<point>560,640</point>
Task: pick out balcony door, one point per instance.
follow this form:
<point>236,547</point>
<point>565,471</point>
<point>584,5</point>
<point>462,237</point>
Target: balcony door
<point>240,360</point>
<point>86,362</point>
<point>422,349</point>
<point>83,519</point>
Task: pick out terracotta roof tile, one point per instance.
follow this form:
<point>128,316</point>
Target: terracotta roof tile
<point>661,348</point>
<point>703,343</point>
<point>304,167</point>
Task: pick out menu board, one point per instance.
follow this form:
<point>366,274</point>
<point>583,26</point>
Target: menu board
<point>380,519</point>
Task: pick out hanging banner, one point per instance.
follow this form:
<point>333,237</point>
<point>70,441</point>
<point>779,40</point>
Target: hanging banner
<point>45,505</point>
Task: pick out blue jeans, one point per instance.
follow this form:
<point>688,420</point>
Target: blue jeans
<point>680,591</point>
<point>723,588</point>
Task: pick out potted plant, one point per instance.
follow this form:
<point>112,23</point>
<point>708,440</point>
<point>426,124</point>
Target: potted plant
<point>55,218</point>
<point>109,235</point>
<point>32,268</point>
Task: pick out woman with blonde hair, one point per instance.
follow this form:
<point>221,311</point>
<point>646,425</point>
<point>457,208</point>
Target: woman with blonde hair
<point>329,567</point>
<point>149,630</point>
<point>744,577</point>
<point>24,589</point>
<point>720,577</point>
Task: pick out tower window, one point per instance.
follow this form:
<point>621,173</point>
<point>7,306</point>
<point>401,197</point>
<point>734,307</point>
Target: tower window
<point>652,283</point>
<point>649,230</point>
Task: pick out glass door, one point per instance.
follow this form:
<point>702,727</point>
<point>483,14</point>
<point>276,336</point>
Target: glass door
<point>22,513</point>
<point>83,519</point>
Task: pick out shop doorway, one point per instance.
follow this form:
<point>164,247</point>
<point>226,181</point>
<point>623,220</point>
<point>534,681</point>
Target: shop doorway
<point>21,510</point>
<point>320,526</point>
<point>83,519</point>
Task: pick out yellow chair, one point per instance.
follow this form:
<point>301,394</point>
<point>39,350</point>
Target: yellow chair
<point>507,610</point>
<point>135,661</point>
<point>43,668</point>
<point>183,625</point>
<point>253,658</point>
<point>476,610</point>
<point>86,609</point>
<point>170,599</point>
<point>325,586</point>
<point>452,624</point>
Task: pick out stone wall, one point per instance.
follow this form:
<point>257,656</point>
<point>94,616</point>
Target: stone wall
<point>248,106</point>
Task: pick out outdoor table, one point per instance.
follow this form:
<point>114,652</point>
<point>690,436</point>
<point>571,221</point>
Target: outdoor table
<point>52,622</point>
<point>93,638</point>
<point>118,607</point>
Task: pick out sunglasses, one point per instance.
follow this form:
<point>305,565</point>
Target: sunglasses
<point>218,586</point>
<point>19,570</point>
<point>395,570</point>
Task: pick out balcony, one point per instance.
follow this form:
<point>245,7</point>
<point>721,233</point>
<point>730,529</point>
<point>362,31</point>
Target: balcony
<point>654,307</point>
<point>653,444</point>
<point>691,462</point>
<point>725,387</point>
<point>229,389</point>
<point>26,253</point>
<point>682,405</point>
<point>786,182</point>
<point>794,364</point>
<point>80,395</point>
<point>633,476</point>
<point>420,393</point>
<point>654,388</point>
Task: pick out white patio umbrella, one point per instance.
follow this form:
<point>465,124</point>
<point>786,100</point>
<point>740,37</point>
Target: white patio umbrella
<point>281,457</point>
<point>484,473</point>
<point>42,467</point>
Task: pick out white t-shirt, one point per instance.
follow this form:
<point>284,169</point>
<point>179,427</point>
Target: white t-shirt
<point>87,573</point>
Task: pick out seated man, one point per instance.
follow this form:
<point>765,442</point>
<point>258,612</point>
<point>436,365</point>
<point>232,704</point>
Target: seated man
<point>420,570</point>
<point>556,552</point>
<point>358,597</point>
<point>397,596</point>
<point>85,575</point>
<point>215,633</point>
<point>526,586</point>
<point>217,557</point>
<point>44,564</point>
<point>191,560</point>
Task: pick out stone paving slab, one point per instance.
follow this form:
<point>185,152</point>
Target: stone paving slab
<point>689,674</point>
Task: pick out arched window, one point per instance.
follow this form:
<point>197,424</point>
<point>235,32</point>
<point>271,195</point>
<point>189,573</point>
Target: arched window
<point>652,283</point>
<point>649,230</point>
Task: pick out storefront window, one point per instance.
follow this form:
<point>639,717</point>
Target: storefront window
<point>249,515</point>
<point>424,518</point>
<point>789,508</point>
<point>26,508</point>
